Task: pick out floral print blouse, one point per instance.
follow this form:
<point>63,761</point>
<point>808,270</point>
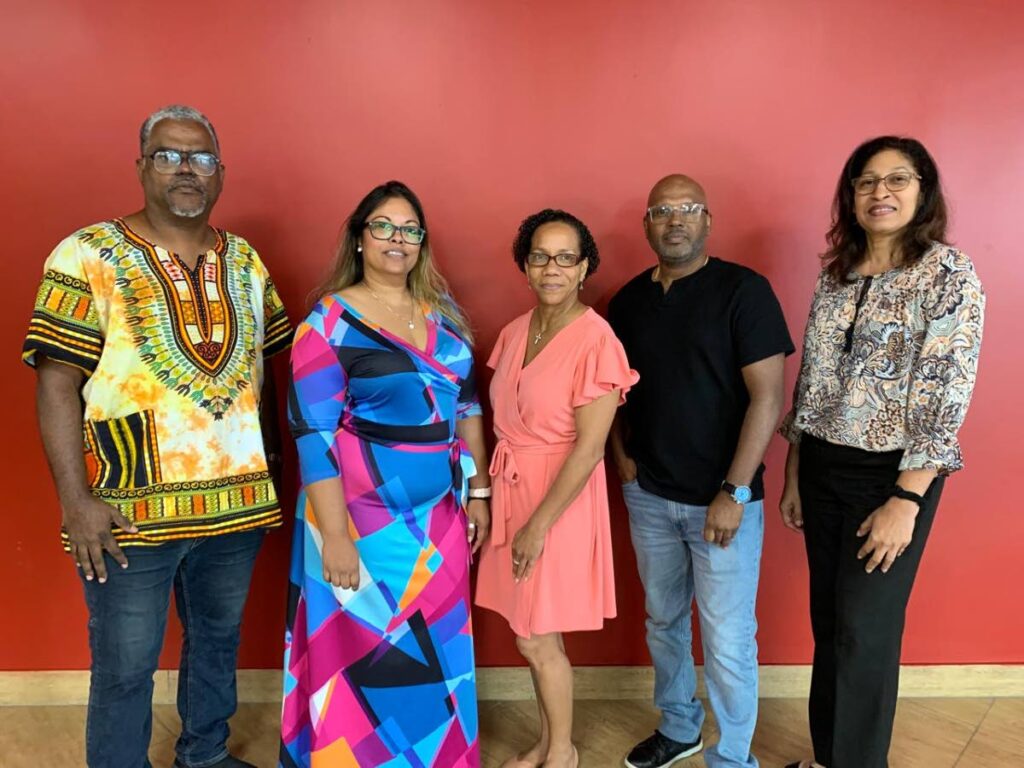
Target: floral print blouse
<point>903,378</point>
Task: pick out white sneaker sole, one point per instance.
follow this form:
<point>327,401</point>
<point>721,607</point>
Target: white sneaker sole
<point>681,756</point>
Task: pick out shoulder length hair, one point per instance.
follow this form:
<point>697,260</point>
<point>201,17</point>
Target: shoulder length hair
<point>425,283</point>
<point>847,241</point>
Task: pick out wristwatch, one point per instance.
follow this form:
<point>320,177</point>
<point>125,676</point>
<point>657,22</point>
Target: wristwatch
<point>741,494</point>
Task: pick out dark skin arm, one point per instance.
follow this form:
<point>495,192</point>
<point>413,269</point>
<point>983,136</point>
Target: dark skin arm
<point>764,382</point>
<point>270,424</point>
<point>86,519</point>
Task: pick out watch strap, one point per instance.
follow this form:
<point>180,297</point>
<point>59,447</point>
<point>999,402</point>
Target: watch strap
<point>903,493</point>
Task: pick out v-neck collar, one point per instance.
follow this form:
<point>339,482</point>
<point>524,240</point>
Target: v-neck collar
<point>427,353</point>
<point>520,359</point>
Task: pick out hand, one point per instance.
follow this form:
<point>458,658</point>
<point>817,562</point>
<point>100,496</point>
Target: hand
<point>87,521</point>
<point>626,468</point>
<point>723,520</point>
<point>478,511</point>
<point>527,546</point>
<point>889,530</point>
<point>341,561</point>
<point>789,506</point>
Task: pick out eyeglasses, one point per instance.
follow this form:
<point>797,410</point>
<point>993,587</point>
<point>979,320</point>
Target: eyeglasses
<point>562,258</point>
<point>383,230</point>
<point>894,182</point>
<point>169,161</point>
<point>689,211</point>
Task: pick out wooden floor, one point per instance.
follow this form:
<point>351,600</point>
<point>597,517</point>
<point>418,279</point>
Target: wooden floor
<point>930,733</point>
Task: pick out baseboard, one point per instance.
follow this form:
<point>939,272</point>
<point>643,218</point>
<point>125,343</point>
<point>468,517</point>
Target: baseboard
<point>509,683</point>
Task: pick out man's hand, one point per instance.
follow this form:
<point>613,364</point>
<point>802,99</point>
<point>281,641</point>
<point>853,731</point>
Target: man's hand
<point>723,520</point>
<point>87,521</point>
<point>626,468</point>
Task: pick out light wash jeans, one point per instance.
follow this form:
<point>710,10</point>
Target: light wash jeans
<point>676,565</point>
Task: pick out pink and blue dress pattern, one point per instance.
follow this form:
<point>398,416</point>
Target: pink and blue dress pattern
<point>382,675</point>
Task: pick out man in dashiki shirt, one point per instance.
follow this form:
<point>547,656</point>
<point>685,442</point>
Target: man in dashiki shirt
<point>150,338</point>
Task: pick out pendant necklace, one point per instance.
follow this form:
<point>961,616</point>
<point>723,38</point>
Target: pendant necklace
<point>412,309</point>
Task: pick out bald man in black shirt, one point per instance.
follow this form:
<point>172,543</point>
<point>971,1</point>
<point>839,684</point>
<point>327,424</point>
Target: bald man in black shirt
<point>709,339</point>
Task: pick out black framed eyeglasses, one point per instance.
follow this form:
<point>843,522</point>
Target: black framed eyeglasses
<point>383,230</point>
<point>168,161</point>
<point>688,211</point>
<point>896,181</point>
<point>562,258</point>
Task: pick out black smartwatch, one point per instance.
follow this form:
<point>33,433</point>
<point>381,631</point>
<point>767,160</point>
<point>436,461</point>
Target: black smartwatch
<point>903,493</point>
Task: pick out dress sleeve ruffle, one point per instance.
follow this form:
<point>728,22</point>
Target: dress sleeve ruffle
<point>603,367</point>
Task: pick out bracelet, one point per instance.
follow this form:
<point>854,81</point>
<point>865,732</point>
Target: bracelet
<point>903,493</point>
<point>480,493</point>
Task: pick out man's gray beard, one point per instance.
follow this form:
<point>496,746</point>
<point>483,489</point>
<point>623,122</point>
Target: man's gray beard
<point>695,251</point>
<point>191,212</point>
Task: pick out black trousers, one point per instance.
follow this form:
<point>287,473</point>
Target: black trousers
<point>857,617</point>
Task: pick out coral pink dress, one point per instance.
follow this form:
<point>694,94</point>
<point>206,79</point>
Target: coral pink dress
<point>572,586</point>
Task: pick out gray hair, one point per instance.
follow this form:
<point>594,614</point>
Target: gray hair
<point>176,112</point>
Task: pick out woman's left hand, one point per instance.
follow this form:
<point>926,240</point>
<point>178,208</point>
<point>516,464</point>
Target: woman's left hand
<point>889,530</point>
<point>478,514</point>
<point>527,546</point>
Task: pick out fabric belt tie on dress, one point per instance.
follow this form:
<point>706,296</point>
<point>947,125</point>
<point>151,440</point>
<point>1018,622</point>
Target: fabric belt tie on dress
<point>504,469</point>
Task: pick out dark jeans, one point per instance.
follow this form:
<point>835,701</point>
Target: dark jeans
<point>857,617</point>
<point>127,619</point>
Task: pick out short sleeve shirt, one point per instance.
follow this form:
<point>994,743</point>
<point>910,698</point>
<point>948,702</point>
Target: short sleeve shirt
<point>174,360</point>
<point>689,345</point>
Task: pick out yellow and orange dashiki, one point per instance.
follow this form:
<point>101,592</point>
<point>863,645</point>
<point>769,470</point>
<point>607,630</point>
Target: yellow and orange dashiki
<point>174,361</point>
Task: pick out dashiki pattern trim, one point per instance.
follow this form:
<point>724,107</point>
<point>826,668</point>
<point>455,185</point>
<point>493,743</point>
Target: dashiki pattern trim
<point>168,511</point>
<point>64,325</point>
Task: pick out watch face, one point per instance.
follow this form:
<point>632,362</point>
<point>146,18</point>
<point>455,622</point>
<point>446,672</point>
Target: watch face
<point>743,494</point>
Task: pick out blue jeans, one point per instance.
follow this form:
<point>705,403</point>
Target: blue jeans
<point>676,565</point>
<point>127,620</point>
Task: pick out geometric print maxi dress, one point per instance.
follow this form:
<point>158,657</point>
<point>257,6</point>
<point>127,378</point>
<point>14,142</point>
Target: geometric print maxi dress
<point>382,675</point>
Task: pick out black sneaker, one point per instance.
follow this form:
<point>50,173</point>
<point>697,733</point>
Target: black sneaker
<point>660,751</point>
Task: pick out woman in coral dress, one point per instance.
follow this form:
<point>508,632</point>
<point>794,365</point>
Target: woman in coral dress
<point>559,375</point>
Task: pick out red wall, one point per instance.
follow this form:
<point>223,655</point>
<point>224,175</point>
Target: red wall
<point>491,111</point>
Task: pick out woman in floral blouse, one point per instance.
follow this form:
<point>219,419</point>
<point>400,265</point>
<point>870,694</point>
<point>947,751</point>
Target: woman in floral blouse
<point>889,362</point>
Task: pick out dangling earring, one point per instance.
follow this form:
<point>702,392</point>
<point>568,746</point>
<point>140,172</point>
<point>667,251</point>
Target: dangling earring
<point>359,249</point>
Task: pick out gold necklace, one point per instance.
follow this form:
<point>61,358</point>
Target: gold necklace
<point>412,309</point>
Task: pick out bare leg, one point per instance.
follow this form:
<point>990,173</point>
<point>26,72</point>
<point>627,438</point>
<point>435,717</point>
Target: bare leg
<point>552,675</point>
<point>534,756</point>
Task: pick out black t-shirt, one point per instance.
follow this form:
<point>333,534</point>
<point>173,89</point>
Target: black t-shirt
<point>689,344</point>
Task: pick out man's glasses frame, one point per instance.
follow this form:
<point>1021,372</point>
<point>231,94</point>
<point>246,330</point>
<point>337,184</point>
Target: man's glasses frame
<point>689,212</point>
<point>168,161</point>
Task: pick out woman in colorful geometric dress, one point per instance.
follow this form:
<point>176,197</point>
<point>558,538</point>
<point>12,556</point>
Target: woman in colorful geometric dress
<point>379,649</point>
<point>559,375</point>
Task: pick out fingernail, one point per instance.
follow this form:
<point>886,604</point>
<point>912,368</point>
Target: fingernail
<point>88,578</point>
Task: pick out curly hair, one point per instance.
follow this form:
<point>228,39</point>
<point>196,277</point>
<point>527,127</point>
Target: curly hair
<point>524,237</point>
<point>847,241</point>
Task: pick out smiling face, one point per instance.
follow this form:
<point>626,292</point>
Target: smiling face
<point>678,240</point>
<point>555,285</point>
<point>883,213</point>
<point>393,257</point>
<point>182,193</point>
